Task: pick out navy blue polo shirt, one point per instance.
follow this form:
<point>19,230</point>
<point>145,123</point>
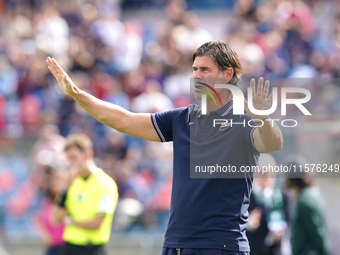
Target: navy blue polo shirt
<point>208,213</point>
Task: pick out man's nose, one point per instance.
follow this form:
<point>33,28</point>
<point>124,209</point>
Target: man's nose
<point>197,74</point>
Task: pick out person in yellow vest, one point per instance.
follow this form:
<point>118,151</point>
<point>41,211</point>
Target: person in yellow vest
<point>87,207</point>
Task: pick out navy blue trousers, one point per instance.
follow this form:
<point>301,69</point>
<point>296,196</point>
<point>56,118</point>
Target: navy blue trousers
<point>173,251</point>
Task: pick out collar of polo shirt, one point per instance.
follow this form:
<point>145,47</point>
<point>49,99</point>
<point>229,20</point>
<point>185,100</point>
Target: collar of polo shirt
<point>223,111</point>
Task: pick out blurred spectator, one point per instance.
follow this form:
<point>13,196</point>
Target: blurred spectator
<point>115,144</point>
<point>189,36</point>
<point>152,100</point>
<point>52,32</point>
<point>108,28</point>
<point>128,53</point>
<point>52,236</point>
<point>309,233</point>
<point>47,149</point>
<point>268,212</point>
<point>175,11</point>
<point>8,78</point>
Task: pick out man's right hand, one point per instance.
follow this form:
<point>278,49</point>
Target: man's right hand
<point>64,81</point>
<point>135,124</point>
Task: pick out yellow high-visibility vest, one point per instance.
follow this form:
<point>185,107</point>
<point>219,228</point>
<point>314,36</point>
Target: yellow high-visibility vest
<point>86,198</point>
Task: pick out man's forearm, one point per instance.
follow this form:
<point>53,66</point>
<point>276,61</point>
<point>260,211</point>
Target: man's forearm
<point>107,113</point>
<point>135,124</point>
<point>57,215</point>
<point>270,135</point>
<point>93,224</point>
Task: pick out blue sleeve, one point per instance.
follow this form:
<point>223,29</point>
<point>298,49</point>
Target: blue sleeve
<point>162,123</point>
<point>248,131</point>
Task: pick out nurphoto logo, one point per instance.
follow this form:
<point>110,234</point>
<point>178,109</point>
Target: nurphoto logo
<point>238,103</point>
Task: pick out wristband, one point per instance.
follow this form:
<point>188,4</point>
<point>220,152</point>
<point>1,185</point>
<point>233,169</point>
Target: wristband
<point>61,199</point>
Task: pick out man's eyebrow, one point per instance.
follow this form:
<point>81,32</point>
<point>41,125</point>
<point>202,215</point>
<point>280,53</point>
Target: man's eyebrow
<point>201,67</point>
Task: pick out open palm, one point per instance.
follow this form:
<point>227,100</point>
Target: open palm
<point>260,98</point>
<point>64,81</point>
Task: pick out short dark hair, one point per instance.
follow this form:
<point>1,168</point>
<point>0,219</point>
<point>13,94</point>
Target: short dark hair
<point>299,183</point>
<point>80,141</point>
<point>298,180</point>
<point>224,57</point>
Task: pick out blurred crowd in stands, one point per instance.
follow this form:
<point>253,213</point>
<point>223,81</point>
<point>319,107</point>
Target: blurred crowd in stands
<point>143,69</point>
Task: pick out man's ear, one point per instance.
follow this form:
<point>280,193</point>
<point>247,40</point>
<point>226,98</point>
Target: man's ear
<point>89,153</point>
<point>228,73</point>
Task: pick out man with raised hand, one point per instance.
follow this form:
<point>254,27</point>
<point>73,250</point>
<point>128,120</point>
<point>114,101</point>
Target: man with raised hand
<point>207,215</point>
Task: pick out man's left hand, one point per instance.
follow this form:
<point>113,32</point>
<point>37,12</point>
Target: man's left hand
<point>261,101</point>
